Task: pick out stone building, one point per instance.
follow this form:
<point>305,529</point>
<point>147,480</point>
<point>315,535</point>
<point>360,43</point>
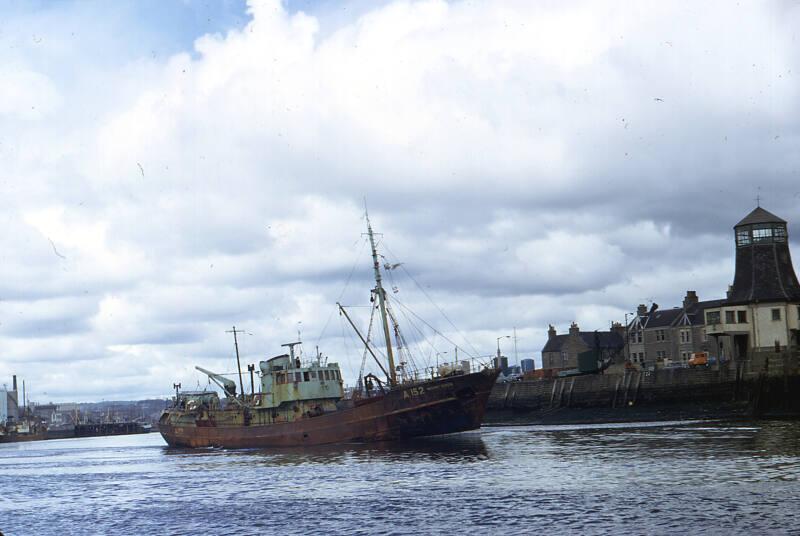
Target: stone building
<point>669,335</point>
<point>561,351</point>
<point>761,315</point>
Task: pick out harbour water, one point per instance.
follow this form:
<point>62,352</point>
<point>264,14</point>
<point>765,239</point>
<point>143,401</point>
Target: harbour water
<point>642,478</point>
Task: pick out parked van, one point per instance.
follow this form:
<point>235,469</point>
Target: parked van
<point>699,359</point>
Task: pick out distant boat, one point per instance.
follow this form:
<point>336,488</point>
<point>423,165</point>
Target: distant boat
<point>25,429</point>
<point>304,404</point>
<point>111,428</point>
<point>97,429</point>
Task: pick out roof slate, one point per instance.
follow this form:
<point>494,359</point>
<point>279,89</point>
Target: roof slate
<point>696,313</point>
<point>759,215</point>
<point>605,339</point>
<point>663,318</point>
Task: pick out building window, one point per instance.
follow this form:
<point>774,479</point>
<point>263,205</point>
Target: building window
<point>779,233</point>
<point>712,317</point>
<point>743,238</point>
<point>741,317</point>
<point>730,317</point>
<point>684,356</point>
<point>686,336</point>
<point>776,314</point>
<point>660,336</point>
<point>798,312</point>
<point>661,355</point>
<point>636,336</point>
<point>704,336</point>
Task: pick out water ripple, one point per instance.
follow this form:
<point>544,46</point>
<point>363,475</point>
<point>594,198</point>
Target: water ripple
<point>657,478</point>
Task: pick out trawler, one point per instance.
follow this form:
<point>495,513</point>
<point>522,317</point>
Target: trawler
<point>302,404</point>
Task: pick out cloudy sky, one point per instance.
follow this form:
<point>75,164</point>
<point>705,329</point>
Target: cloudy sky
<point>169,169</point>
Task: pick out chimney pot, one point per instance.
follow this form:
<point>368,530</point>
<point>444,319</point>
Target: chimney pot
<point>574,329</point>
<point>551,333</point>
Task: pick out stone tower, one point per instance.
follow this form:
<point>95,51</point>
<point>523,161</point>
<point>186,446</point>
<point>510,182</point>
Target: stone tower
<point>764,271</point>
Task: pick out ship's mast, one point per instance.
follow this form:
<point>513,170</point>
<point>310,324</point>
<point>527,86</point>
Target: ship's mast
<point>238,363</point>
<point>381,302</point>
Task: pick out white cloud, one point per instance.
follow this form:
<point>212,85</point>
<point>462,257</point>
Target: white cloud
<point>26,94</point>
<point>530,163</point>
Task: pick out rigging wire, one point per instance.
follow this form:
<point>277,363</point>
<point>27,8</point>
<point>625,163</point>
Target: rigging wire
<point>366,350</point>
<point>445,337</point>
<point>346,284</point>
<point>402,343</point>
<point>344,336</point>
<point>417,340</point>
<point>401,265</point>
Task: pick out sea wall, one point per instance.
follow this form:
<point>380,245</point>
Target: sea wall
<point>732,390</point>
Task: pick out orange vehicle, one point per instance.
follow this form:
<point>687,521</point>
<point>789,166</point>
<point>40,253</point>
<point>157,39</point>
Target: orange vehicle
<point>699,359</point>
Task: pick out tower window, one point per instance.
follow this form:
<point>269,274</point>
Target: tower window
<point>779,232</point>
<point>743,238</point>
<point>762,235</point>
<point>776,314</point>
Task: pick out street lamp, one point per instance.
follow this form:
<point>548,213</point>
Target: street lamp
<point>628,335</point>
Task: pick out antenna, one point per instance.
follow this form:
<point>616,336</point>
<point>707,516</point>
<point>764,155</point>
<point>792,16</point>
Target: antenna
<point>238,363</point>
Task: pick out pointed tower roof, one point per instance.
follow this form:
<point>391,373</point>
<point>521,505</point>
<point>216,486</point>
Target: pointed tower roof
<point>764,270</point>
<point>759,215</point>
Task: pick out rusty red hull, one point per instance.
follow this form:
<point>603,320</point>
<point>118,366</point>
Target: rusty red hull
<point>439,406</point>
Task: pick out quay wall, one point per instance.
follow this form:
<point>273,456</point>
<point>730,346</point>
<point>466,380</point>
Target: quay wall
<point>740,389</point>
